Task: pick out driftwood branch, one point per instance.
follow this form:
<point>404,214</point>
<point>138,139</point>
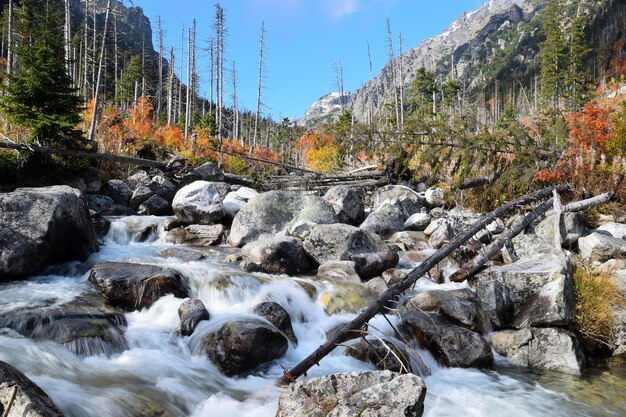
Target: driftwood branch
<point>582,205</point>
<point>397,289</point>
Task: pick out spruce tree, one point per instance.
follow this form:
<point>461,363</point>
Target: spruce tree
<point>576,75</point>
<point>552,54</point>
<point>39,96</point>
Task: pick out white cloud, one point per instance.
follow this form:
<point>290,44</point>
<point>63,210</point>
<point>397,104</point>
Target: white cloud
<point>338,9</point>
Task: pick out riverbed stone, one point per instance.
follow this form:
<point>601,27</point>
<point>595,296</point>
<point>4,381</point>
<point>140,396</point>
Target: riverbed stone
<point>275,211</point>
<point>346,298</point>
<point>347,204</point>
<point>573,227</point>
<point>617,230</point>
<point>140,195</point>
<point>140,177</point>
<point>191,312</point>
<point>198,203</point>
<point>203,235</point>
<point>463,312</point>
<point>118,191</point>
<point>339,271</point>
<point>342,242</point>
<point>418,221</point>
<point>431,300</point>
<point>451,345</point>
<point>205,172</point>
<point>242,345</point>
<point>99,203</point>
<point>278,255</point>
<point>155,206</point>
<point>387,219</point>
<point>435,197</point>
<point>41,226</point>
<point>384,354</point>
<point>601,247</point>
<point>187,255</point>
<point>278,316</point>
<point>496,302</point>
<point>235,200</point>
<point>26,398</point>
<point>407,200</point>
<point>371,394</point>
<point>441,235</point>
<point>135,286</point>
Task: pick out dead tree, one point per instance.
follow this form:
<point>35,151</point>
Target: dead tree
<point>392,68</point>
<point>401,80</point>
<point>259,85</point>
<point>189,82</point>
<point>219,67</point>
<point>67,33</point>
<point>94,114</point>
<point>398,289</point>
<point>235,105</point>
<point>170,88</point>
<point>338,67</point>
<point>159,91</point>
<point>179,104</point>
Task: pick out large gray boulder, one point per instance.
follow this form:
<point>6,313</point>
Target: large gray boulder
<point>540,287</point>
<point>198,203</point>
<point>275,211</point>
<point>545,349</point>
<point>41,226</point>
<point>388,218</point>
<point>450,344</point>
<point>278,316</point>
<point>118,191</point>
<point>136,286</point>
<point>278,255</point>
<point>205,172</point>
<point>406,199</point>
<point>86,326</point>
<point>496,302</point>
<point>342,242</point>
<point>600,247</point>
<point>465,313</point>
<point>339,271</point>
<point>191,312</point>
<point>573,226</point>
<point>242,345</point>
<point>618,339</point>
<point>203,235</point>
<point>347,204</point>
<point>372,394</point>
<point>384,354</point>
<point>155,206</point>
<point>617,230</point>
<point>235,200</point>
<point>26,398</point>
<point>431,300</point>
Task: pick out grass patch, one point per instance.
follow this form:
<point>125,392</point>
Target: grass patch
<point>597,298</point>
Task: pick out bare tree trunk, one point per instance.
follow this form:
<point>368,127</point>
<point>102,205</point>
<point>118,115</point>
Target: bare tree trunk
<point>170,88</point>
<point>235,109</point>
<point>211,74</point>
<point>259,84</point>
<point>189,81</point>
<point>94,114</point>
<point>401,83</point>
<point>67,32</point>
<point>86,56</point>
<point>160,75</point>
<point>180,81</point>
<point>392,66</point>
<point>338,67</point>
<point>219,67</point>
<point>117,55</point>
<point>10,42</point>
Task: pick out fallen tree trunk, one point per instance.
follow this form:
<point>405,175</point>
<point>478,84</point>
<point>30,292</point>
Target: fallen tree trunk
<point>399,288</point>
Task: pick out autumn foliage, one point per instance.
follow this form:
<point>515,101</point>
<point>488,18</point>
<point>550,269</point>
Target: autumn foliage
<point>320,151</point>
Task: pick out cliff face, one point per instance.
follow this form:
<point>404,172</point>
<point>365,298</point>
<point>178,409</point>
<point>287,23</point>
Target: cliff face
<point>325,110</point>
<point>464,49</point>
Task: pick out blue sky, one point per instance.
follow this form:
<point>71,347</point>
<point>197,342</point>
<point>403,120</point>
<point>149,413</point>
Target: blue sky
<point>304,39</point>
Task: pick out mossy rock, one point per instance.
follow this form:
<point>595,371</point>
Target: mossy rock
<point>346,298</point>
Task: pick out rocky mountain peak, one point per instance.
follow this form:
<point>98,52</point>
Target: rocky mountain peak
<point>325,109</point>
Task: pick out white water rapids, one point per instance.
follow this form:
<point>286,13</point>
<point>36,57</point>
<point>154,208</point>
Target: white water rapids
<point>163,374</point>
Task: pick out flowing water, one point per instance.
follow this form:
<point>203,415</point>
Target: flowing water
<point>164,374</point>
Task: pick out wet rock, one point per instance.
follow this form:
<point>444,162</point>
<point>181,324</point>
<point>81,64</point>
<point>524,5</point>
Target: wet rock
<point>442,235</point>
<point>600,247</point>
<point>347,204</point>
<point>617,230</point>
<point>431,300</point>
<point>140,177</point>
<point>118,191</point>
<point>171,224</point>
<point>496,302</point>
<point>463,312</point>
<point>236,347</point>
<point>372,394</point>
<point>26,398</point>
<point>147,234</point>
<point>86,326</point>
<point>99,203</point>
<point>341,242</point>
<point>346,298</point>
<point>385,220</point>
<point>417,221</point>
<point>101,225</point>
<point>573,226</point>
<point>435,197</point>
<point>41,226</point>
<point>406,199</point>
<point>141,194</point>
<point>235,200</point>
<point>279,255</point>
<point>136,286</point>
<point>339,271</point>
<point>275,211</point>
<point>155,206</point>
<point>201,235</point>
<point>191,312</point>
<point>198,203</point>
<point>410,240</point>
<point>162,187</point>
<point>278,316</point>
<point>187,255</point>
<point>452,345</point>
<point>392,276</point>
<point>383,354</point>
<point>545,349</point>
<point>377,285</point>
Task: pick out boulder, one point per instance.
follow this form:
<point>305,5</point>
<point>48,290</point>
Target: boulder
<point>377,285</point>
<point>235,200</point>
<point>26,398</point>
<point>118,191</point>
<point>435,197</point>
<point>187,255</point>
<point>278,316</point>
<point>417,221</point>
<point>99,203</point>
<point>275,211</point>
<point>496,302</point>
<point>136,286</point>
<point>162,187</point>
<point>278,255</point>
<point>392,276</point>
<point>431,300</point>
<point>544,349</point>
<point>371,394</point>
<point>155,206</point>
<point>140,177</point>
<point>341,242</point>
<point>339,271</point>
<point>617,230</point>
<point>406,199</point>
<point>387,219</point>
<point>540,287</point>
<point>441,235</point>
<point>88,181</point>
<point>205,172</point>
<point>573,226</point>
<point>383,354</point>
<point>191,312</point>
<point>244,344</point>
<point>201,235</point>
<point>141,194</point>
<point>528,245</point>
<point>463,312</point>
<point>410,240</point>
<point>618,339</point>
<point>301,229</point>
<point>86,326</point>
<point>600,247</point>
<point>347,204</point>
<point>450,344</point>
<point>198,203</point>
<point>41,226</point>
<point>101,225</point>
<point>346,298</point>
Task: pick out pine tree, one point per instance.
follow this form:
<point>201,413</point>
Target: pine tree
<point>39,95</point>
<point>552,54</point>
<point>576,75</point>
